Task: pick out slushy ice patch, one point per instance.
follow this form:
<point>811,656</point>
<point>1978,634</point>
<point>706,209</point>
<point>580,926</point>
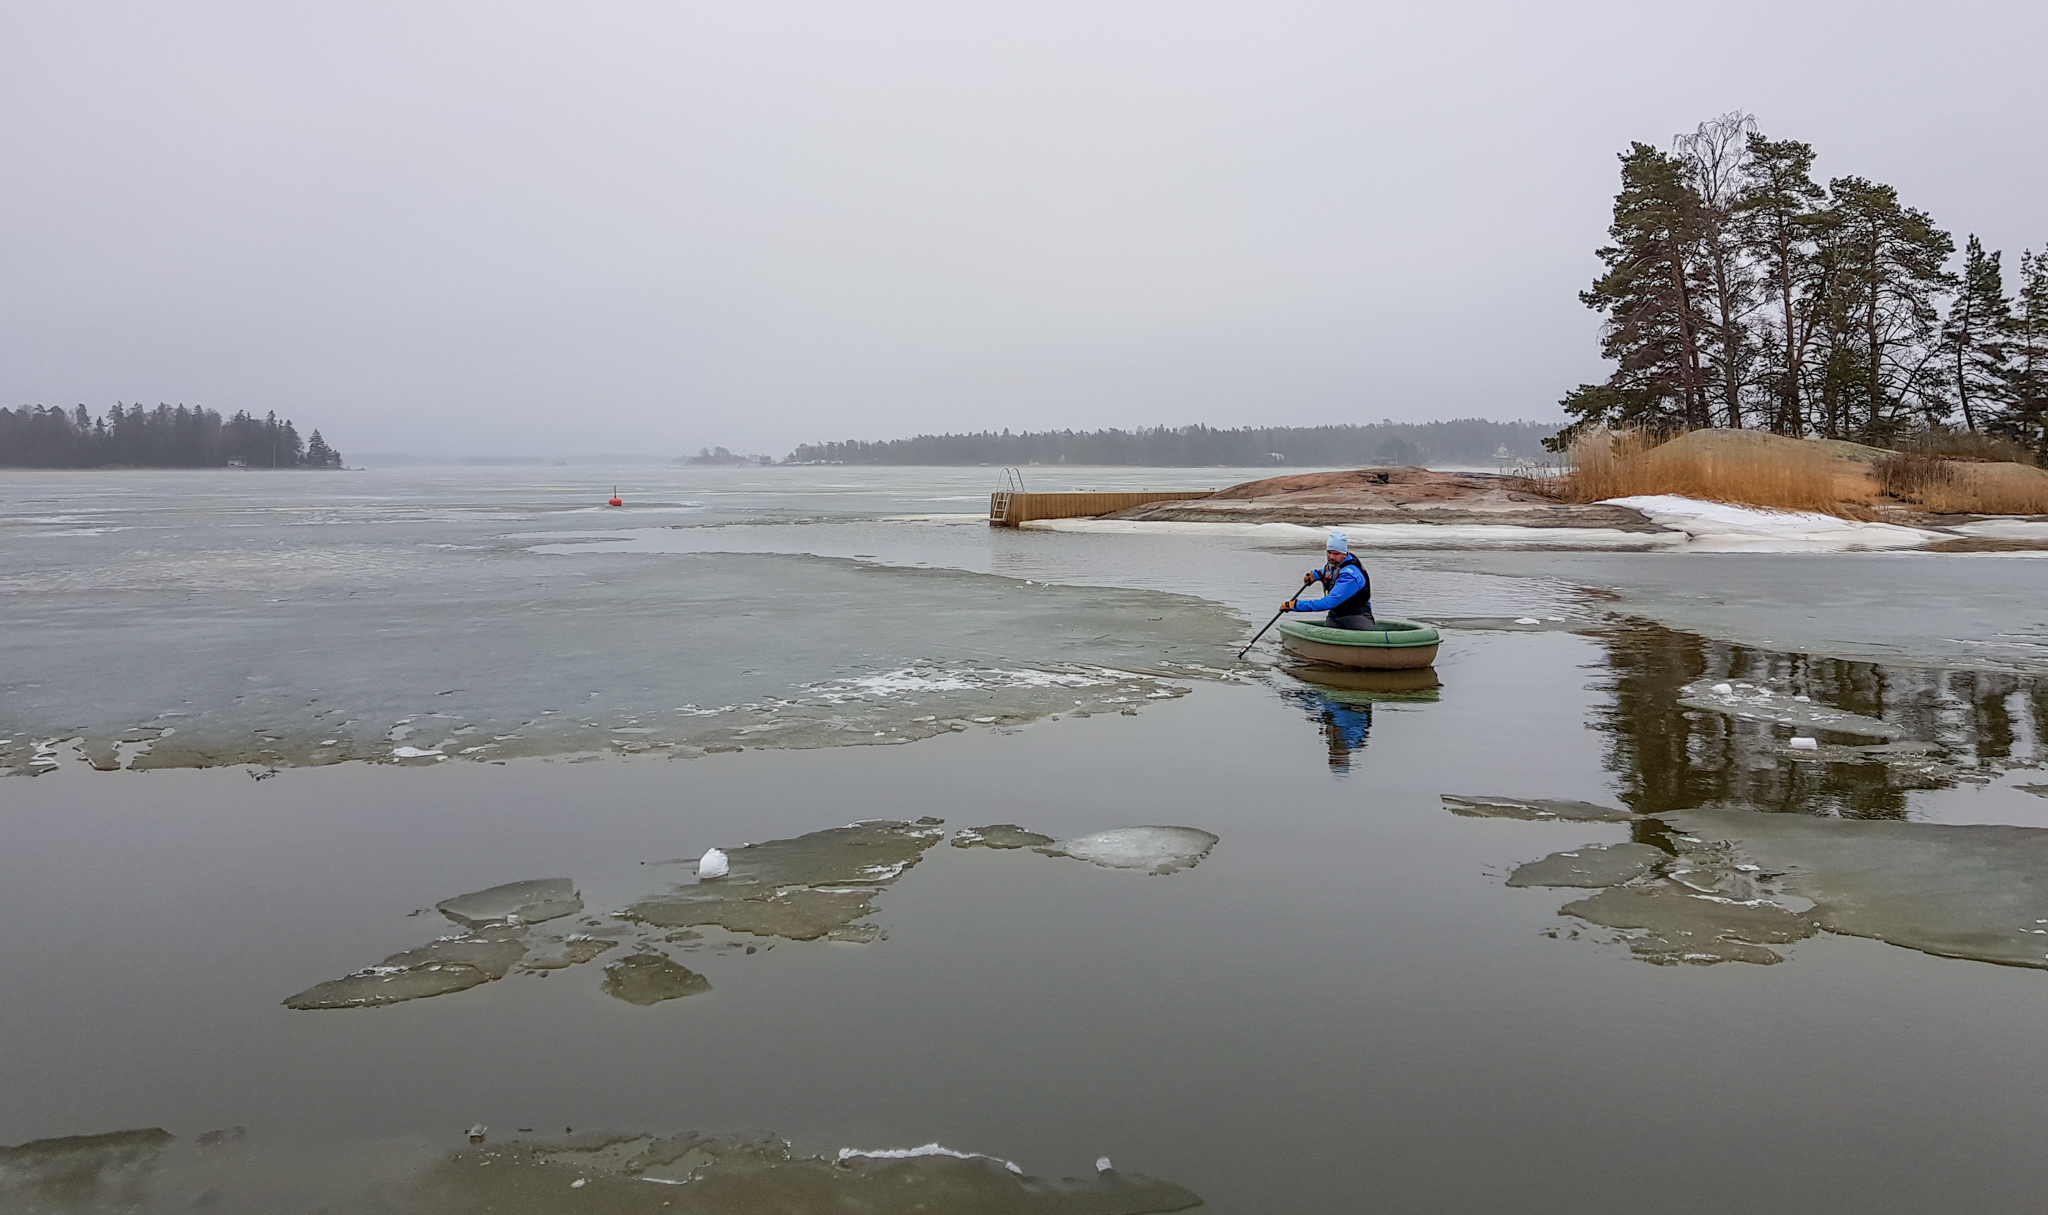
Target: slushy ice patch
<point>107,1172</point>
<point>738,1175</point>
<point>678,656</point>
<point>1151,849</point>
<point>638,1174</point>
<point>1762,704</point>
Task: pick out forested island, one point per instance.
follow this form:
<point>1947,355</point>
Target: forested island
<point>164,437</point>
<point>1740,292</point>
<point>1464,441</point>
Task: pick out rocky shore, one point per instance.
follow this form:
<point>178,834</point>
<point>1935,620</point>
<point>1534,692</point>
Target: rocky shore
<point>1389,495</point>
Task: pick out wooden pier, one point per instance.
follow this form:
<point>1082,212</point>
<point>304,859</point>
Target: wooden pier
<point>1007,508</point>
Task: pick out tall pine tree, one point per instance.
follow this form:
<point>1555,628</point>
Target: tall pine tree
<point>1973,338</point>
<point>1885,267</point>
<point>2026,414</point>
<point>1653,319</point>
<point>1777,209</point>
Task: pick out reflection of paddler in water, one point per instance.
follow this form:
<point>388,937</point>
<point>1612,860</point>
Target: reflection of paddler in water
<point>1340,702</point>
<point>1347,590</point>
<point>1345,727</point>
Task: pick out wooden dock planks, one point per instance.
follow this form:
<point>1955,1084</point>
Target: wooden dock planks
<point>1008,509</point>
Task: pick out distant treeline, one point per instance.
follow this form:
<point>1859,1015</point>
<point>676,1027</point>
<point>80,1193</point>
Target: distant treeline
<point>1464,441</point>
<point>1738,291</point>
<point>164,437</point>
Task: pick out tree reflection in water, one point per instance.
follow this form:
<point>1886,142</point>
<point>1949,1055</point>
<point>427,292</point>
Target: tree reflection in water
<point>1670,757</point>
<point>1340,701</point>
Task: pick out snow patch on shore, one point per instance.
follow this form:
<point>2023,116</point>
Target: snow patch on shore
<point>1379,535</point>
<point>1721,527</point>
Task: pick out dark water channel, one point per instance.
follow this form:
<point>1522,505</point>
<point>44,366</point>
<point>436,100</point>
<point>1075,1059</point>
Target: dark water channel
<point>1343,1006</point>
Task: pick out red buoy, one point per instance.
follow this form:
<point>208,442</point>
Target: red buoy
<point>616,500</point>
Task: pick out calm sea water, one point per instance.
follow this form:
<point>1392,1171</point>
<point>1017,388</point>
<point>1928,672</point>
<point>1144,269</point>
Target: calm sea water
<point>326,703</point>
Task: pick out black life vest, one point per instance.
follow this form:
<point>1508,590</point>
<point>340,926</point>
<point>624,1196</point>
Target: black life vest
<point>1359,604</point>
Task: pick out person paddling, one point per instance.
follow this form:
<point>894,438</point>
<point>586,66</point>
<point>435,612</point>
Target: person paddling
<point>1348,597</point>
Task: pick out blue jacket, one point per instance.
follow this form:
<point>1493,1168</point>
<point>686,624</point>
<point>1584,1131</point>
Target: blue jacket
<point>1350,581</point>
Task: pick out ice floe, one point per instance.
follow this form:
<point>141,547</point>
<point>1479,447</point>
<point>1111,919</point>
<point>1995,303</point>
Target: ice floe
<point>1763,704</point>
<point>1000,836</point>
<point>530,902</point>
<point>448,965</point>
<point>803,889</point>
<point>649,978</point>
<point>1672,924</point>
<point>1722,527</point>
<point>706,1174</point>
<point>1533,809</point>
<point>683,1174</point>
<point>1152,849</point>
<point>1736,885</point>
<point>1591,866</point>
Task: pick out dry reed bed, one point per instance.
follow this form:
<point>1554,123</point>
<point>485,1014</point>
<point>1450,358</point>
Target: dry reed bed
<point>1783,477</point>
<point>1790,474</point>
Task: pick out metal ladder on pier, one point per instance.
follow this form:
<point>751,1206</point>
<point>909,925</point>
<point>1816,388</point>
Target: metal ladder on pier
<point>1012,482</point>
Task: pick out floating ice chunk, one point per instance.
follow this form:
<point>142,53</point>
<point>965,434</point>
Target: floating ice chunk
<point>929,1149</point>
<point>477,1133</point>
<point>649,978</point>
<point>532,902</point>
<point>1153,849</point>
<point>713,864</point>
<point>1806,744</point>
<point>1533,809</point>
<point>412,753</point>
<point>1102,1164</point>
<point>577,1184</point>
<point>1592,866</point>
<point>1527,620</point>
<point>1762,704</point>
<point>1000,836</point>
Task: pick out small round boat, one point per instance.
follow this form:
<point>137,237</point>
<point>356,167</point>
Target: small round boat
<point>1395,645</point>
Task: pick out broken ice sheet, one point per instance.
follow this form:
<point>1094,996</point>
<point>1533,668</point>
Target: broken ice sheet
<point>1533,809</point>
<point>529,902</point>
<point>1975,891</point>
<point>82,1172</point>
<point>448,965</point>
<point>1594,865</point>
<point>1156,850</point>
<point>803,889</point>
<point>1762,704</point>
<point>499,935</point>
<point>1744,881</point>
<point>1676,924</point>
<point>736,1175</point>
<point>1000,836</point>
<point>649,978</point>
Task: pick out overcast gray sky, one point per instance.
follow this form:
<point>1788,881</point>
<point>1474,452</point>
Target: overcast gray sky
<point>501,228</point>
